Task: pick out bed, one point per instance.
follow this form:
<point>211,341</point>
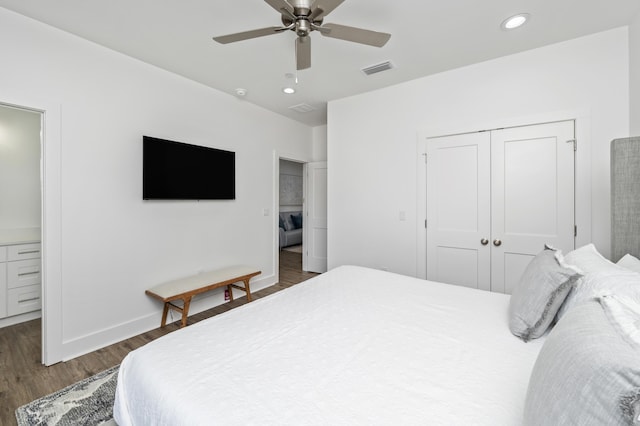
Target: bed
<point>358,346</point>
<point>352,346</point>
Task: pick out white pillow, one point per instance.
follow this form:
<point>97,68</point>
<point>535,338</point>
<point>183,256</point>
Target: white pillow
<point>630,262</point>
<point>597,284</point>
<point>588,259</point>
<point>624,314</point>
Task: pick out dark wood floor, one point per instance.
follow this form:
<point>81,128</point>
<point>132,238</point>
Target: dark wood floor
<point>23,378</point>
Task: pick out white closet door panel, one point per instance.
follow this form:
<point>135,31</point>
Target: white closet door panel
<point>458,266</point>
<point>530,190</point>
<point>514,266</point>
<point>532,201</point>
<point>458,202</point>
<point>458,208</point>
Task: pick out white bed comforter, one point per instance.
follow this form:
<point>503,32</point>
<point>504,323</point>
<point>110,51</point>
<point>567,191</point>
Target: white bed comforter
<point>354,346</point>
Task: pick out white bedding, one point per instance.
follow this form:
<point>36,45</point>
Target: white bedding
<point>354,346</point>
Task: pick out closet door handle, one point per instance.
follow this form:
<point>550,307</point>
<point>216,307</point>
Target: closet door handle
<point>484,241</point>
<point>497,243</point>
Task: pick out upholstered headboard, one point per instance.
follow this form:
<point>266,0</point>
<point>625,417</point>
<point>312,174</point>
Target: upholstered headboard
<point>625,197</point>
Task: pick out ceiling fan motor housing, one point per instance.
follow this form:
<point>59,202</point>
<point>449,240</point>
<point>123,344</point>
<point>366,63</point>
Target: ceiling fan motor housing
<point>303,25</point>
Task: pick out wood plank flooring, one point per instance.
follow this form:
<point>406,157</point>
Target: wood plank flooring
<point>23,378</point>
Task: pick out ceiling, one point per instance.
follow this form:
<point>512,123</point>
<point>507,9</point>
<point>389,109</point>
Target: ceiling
<point>428,37</point>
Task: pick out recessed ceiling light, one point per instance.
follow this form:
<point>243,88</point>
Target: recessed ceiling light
<point>241,92</point>
<point>289,90</point>
<point>515,21</point>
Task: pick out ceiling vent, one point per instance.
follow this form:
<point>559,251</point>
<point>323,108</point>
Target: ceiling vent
<point>382,66</point>
<point>303,108</point>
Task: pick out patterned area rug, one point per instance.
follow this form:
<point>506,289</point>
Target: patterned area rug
<point>88,402</point>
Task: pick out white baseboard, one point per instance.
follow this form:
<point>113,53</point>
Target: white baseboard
<point>82,345</point>
<point>17,319</point>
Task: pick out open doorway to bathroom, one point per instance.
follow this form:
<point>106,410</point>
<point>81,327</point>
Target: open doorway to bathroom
<point>20,218</point>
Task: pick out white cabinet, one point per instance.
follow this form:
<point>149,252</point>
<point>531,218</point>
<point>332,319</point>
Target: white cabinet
<point>3,281</point>
<point>20,279</point>
<point>494,199</point>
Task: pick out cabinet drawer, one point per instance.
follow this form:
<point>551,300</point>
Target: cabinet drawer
<point>3,253</point>
<point>24,251</point>
<point>24,299</point>
<point>23,272</point>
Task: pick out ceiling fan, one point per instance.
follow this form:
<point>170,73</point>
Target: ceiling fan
<point>303,17</point>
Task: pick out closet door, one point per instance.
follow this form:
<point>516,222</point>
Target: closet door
<point>532,203</point>
<point>458,208</point>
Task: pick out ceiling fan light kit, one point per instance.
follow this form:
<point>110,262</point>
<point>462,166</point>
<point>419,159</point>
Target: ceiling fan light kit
<point>304,17</point>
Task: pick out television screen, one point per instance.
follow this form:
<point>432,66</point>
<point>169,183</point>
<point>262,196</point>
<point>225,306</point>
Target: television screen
<point>179,171</point>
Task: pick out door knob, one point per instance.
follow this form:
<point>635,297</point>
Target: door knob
<point>484,241</point>
<point>497,243</point>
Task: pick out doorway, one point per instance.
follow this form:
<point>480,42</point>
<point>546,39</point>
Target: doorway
<point>50,225</point>
<point>21,214</point>
<point>291,221</point>
<point>301,205</point>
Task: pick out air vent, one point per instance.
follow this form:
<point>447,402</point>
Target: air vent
<point>302,108</point>
<point>373,69</point>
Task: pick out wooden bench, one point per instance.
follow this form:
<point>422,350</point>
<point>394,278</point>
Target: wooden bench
<point>185,288</point>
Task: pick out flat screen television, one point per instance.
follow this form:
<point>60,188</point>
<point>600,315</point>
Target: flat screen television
<point>180,171</point>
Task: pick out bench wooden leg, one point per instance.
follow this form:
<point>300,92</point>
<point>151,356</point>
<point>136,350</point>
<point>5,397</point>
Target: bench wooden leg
<point>165,311</point>
<point>185,311</point>
<point>230,290</point>
<point>247,289</point>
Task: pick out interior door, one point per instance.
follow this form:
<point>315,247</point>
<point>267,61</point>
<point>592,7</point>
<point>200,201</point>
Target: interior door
<point>532,175</point>
<point>458,209</point>
<point>314,245</point>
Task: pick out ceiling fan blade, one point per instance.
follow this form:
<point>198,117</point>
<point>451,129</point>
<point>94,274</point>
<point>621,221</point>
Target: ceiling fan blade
<point>356,35</point>
<point>245,35</point>
<point>322,8</point>
<point>303,53</point>
<point>282,6</point>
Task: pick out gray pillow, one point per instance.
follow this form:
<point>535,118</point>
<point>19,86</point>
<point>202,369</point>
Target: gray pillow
<point>288,223</point>
<point>543,287</point>
<point>586,374</point>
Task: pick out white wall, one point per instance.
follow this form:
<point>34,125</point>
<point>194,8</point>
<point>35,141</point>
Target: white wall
<point>377,134</point>
<point>320,143</point>
<point>634,74</point>
<point>113,245</point>
<point>19,168</point>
